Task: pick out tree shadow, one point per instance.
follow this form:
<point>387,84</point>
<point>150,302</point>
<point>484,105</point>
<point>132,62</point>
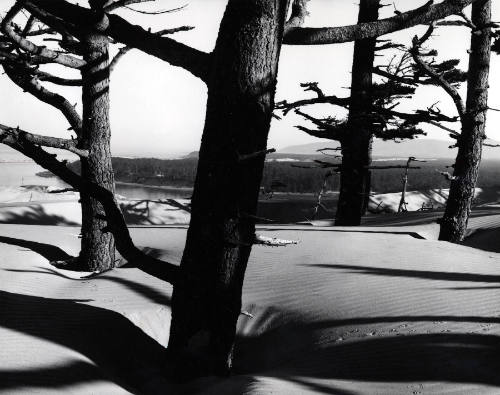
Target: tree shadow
<point>146,291</point>
<point>54,253</point>
<point>35,215</point>
<point>48,251</point>
<point>421,274</point>
<point>298,352</point>
<point>71,373</point>
<point>484,239</point>
<point>138,211</point>
<point>121,351</point>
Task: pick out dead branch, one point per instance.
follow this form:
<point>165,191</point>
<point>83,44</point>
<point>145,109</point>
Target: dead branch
<point>49,55</point>
<point>447,175</point>
<point>158,12</point>
<point>125,50</point>
<point>272,241</point>
<point>428,70</point>
<point>196,62</point>
<point>330,35</point>
<point>31,84</point>
<point>13,135</point>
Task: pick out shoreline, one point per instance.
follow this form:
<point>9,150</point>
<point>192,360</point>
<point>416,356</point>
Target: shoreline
<point>136,184</point>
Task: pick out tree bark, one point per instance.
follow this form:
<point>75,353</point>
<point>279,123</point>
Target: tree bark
<point>97,247</point>
<point>207,297</point>
<point>357,144</point>
<point>458,206</point>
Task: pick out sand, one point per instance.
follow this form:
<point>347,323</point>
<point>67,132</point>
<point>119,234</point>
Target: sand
<point>346,311</point>
<point>36,205</point>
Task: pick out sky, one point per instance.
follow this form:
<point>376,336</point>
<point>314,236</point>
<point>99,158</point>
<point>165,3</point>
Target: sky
<point>158,110</point>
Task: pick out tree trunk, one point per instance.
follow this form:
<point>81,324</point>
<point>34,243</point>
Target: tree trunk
<point>458,206</point>
<point>207,298</point>
<point>97,247</point>
<point>357,145</point>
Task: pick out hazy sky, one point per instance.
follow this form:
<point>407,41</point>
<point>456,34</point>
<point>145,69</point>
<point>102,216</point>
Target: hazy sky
<point>158,110</point>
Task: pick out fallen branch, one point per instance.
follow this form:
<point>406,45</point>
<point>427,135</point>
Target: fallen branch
<point>273,241</point>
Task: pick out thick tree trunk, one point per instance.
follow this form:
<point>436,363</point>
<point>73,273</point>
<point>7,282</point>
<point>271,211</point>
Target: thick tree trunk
<point>97,248</point>
<point>357,145</point>
<point>458,206</point>
<point>207,297</point>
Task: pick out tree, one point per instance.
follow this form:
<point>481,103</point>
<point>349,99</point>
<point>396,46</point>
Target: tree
<point>357,147</point>
<point>462,187</point>
<point>472,118</point>
<point>89,54</point>
<point>240,75</point>
<point>98,248</point>
<point>371,113</point>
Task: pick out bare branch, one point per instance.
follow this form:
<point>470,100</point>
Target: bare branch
<point>26,45</point>
<point>168,11</point>
<point>177,54</point>
<point>426,69</point>
<point>12,135</point>
<point>330,35</point>
<point>447,175</point>
<point>125,50</point>
<point>491,145</point>
<point>30,84</point>
<point>453,133</point>
<point>272,241</point>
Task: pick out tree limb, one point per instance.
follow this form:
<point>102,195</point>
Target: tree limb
<point>439,80</point>
<point>30,84</point>
<point>11,135</point>
<point>40,51</point>
<point>331,35</point>
<point>196,62</point>
<point>123,51</point>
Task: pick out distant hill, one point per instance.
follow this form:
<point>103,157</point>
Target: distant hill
<point>420,148</point>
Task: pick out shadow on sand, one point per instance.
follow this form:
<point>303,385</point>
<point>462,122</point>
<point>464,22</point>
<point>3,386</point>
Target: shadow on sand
<point>35,215</point>
<point>420,274</point>
<point>121,351</point>
<point>48,251</point>
<point>295,353</point>
<point>125,355</point>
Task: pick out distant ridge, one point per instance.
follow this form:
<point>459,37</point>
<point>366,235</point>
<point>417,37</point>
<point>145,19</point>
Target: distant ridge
<point>420,148</point>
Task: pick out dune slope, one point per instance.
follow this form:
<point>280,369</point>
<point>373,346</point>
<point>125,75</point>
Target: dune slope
<point>342,312</point>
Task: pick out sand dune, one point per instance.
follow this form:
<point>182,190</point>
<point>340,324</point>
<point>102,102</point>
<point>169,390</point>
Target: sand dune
<point>37,206</point>
<point>401,315</point>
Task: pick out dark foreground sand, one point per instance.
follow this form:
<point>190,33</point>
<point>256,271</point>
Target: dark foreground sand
<point>346,311</point>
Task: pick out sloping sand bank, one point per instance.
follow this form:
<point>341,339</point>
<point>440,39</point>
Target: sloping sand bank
<point>340,313</point>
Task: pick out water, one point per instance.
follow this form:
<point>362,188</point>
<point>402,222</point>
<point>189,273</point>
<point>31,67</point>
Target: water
<point>17,174</point>
<point>134,192</point>
<point>282,208</point>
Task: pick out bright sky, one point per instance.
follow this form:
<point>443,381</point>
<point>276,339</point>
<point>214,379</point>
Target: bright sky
<point>158,110</point>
